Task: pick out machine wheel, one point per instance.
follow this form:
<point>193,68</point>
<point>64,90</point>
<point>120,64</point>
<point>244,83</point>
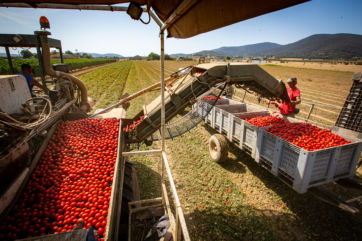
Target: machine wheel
<point>148,142</point>
<point>218,147</point>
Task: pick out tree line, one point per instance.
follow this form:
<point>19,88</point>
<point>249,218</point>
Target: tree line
<point>27,54</point>
<point>152,56</point>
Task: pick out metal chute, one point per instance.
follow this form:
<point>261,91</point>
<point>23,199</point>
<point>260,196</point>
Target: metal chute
<point>187,88</point>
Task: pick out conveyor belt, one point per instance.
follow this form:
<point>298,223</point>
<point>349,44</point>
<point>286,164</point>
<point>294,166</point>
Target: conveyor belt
<point>186,89</point>
<point>186,122</point>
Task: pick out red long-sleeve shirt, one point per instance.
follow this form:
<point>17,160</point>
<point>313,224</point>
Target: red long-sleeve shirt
<point>287,108</point>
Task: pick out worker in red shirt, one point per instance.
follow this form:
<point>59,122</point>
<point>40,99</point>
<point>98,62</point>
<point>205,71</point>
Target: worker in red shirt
<point>289,109</point>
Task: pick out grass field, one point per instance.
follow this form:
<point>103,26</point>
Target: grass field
<point>73,64</point>
<point>237,200</point>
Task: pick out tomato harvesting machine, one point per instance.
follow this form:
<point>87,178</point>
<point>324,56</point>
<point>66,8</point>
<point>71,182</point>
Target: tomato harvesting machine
<point>38,134</point>
<point>65,173</point>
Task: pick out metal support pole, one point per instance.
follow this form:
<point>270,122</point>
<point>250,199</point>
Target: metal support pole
<point>180,217</point>
<point>162,60</point>
<point>179,11</point>
<point>9,60</point>
<point>310,112</point>
<point>40,59</point>
<point>132,153</point>
<point>61,55</point>
<point>155,18</point>
<point>244,97</point>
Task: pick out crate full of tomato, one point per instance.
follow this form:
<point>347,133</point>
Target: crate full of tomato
<point>250,125</point>
<point>304,155</point>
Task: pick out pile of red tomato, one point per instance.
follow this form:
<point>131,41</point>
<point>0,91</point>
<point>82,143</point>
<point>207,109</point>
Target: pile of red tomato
<point>273,101</point>
<point>211,97</point>
<point>262,121</point>
<point>71,183</point>
<point>307,136</point>
<point>130,127</point>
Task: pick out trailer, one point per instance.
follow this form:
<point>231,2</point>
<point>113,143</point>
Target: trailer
<point>298,168</point>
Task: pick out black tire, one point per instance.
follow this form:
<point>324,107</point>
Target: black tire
<point>218,148</point>
<point>148,142</point>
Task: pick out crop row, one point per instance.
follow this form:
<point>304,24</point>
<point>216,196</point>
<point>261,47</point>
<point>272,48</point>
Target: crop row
<point>105,85</point>
<point>73,64</point>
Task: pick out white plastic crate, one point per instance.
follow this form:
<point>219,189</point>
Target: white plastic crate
<point>302,169</point>
<point>248,133</point>
<point>223,115</point>
<point>203,107</point>
<point>223,119</point>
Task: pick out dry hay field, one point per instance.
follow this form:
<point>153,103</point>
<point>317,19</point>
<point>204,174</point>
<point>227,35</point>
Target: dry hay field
<point>328,89</point>
<point>320,65</point>
<point>236,200</point>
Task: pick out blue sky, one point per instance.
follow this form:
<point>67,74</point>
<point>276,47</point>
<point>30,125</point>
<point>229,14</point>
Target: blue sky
<point>116,32</point>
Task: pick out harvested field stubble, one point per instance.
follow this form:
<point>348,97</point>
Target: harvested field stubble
<point>317,86</point>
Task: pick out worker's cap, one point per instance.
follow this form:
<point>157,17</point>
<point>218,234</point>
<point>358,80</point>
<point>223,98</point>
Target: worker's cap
<point>292,79</point>
<point>25,66</point>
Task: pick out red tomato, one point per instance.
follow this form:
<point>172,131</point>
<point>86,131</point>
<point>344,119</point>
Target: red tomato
<point>68,185</point>
<point>262,121</point>
<point>307,136</point>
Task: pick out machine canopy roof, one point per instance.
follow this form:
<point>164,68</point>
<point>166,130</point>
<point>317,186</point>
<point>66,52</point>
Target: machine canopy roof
<point>192,17</point>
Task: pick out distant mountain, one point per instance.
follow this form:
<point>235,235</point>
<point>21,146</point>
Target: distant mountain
<point>324,46</point>
<point>109,55</point>
<point>12,55</point>
<point>209,53</point>
<point>246,50</point>
<point>179,55</point>
<point>321,46</point>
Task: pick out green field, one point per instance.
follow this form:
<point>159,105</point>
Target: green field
<point>237,200</point>
<point>73,64</point>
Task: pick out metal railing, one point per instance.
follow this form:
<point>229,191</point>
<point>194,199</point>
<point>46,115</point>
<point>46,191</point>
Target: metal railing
<point>179,219</point>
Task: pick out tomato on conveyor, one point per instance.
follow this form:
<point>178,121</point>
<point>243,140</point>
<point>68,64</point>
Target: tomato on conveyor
<point>71,184</point>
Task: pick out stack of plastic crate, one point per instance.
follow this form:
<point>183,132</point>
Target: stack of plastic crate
<point>351,113</point>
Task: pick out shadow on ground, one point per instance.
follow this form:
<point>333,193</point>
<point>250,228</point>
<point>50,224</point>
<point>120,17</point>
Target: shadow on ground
<point>225,225</point>
<point>149,180</point>
<point>233,166</point>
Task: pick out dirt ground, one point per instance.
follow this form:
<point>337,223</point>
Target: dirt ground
<point>85,70</point>
<point>324,66</point>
